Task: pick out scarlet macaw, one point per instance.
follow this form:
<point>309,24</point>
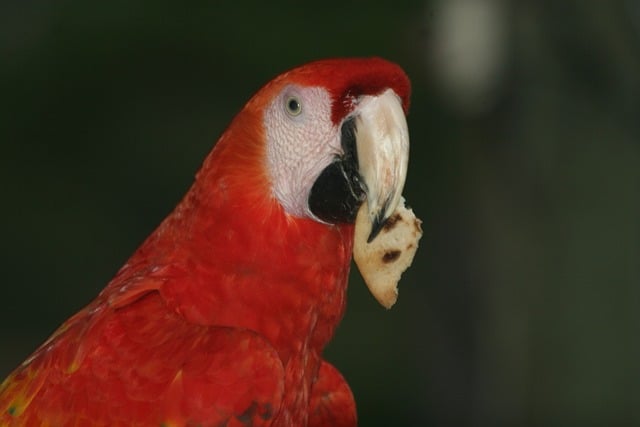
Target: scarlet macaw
<point>221,316</point>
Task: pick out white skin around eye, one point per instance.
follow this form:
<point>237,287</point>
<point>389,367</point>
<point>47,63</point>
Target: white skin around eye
<point>301,143</point>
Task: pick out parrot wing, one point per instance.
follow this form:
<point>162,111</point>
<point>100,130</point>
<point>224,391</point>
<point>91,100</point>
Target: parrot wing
<point>144,365</point>
<point>331,402</point>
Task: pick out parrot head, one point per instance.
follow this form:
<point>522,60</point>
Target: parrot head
<point>268,225</point>
<point>332,134</point>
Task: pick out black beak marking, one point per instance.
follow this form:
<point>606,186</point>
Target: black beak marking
<point>378,222</point>
<point>376,226</point>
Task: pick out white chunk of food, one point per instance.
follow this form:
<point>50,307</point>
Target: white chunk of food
<point>382,262</point>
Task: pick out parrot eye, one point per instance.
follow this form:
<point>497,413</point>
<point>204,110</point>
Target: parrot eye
<point>293,106</point>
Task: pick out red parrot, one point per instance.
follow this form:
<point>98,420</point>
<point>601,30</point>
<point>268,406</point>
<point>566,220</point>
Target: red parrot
<point>220,317</point>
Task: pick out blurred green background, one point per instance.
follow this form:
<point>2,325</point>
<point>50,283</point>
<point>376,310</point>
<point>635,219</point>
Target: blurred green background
<point>522,307</point>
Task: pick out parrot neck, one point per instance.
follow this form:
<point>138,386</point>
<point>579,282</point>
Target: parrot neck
<point>230,256</point>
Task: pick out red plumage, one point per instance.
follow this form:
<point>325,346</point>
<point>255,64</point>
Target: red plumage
<point>221,316</point>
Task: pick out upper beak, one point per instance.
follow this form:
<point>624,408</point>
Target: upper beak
<point>382,144</point>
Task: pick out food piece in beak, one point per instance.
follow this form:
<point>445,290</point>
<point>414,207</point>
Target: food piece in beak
<point>383,260</point>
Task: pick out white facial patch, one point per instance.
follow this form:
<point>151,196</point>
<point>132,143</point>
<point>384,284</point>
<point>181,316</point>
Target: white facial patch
<point>301,142</point>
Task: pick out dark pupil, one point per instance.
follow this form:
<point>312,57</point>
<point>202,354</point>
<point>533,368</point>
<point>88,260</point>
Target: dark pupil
<point>294,106</point>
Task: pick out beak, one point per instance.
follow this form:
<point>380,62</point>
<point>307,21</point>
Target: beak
<point>382,144</point>
<point>372,167</point>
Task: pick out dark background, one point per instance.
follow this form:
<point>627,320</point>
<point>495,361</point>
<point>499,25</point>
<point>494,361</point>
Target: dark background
<point>521,307</point>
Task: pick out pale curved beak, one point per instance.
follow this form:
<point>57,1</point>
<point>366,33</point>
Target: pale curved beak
<point>382,143</point>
